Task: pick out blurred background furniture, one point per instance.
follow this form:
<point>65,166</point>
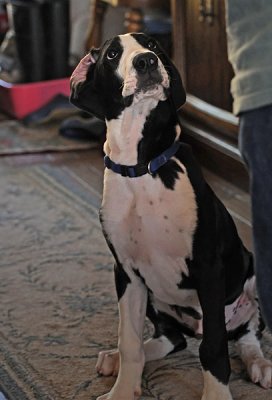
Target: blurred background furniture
<point>134,17</point>
<point>42,34</point>
<point>200,52</point>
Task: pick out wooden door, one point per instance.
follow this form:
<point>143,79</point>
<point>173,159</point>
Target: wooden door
<point>200,53</point>
<point>209,73</point>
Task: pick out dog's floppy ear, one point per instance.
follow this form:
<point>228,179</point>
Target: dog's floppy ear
<point>83,92</point>
<point>177,94</point>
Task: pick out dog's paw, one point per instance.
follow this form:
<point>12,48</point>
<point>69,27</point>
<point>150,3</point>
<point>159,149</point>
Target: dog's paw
<point>260,371</point>
<point>107,364</point>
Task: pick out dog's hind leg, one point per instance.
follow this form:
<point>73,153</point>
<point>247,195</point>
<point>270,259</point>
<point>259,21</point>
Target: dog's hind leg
<point>248,346</point>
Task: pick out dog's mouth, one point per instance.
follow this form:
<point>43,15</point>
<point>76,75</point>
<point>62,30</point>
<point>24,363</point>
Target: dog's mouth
<point>155,84</point>
<point>148,83</point>
<point>146,77</point>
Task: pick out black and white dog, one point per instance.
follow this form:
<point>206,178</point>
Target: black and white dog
<point>178,257</point>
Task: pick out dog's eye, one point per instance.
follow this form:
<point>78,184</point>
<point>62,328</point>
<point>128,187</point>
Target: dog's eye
<point>152,45</point>
<point>111,54</point>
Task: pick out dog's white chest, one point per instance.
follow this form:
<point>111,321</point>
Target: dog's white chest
<point>151,228</point>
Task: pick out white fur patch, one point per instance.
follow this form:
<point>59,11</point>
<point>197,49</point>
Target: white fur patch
<point>149,232</point>
<point>124,133</point>
<point>132,310</point>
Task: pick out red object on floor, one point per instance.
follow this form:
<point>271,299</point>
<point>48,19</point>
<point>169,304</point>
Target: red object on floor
<point>3,22</point>
<point>19,100</point>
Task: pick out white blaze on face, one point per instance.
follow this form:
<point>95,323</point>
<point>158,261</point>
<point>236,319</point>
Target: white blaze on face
<point>128,73</point>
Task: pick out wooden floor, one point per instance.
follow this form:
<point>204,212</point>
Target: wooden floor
<point>87,166</point>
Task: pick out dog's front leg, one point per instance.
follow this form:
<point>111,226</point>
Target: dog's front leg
<point>214,347</point>
<point>132,297</point>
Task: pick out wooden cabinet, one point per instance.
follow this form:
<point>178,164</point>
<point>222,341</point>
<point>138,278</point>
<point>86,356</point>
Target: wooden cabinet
<point>209,73</point>
<point>200,52</point>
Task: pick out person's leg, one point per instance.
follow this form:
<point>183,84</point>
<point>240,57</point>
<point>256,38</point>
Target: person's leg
<point>255,142</point>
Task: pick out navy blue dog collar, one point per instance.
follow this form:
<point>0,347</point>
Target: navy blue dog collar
<point>133,171</point>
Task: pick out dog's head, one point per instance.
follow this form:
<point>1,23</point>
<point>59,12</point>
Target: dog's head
<point>126,69</point>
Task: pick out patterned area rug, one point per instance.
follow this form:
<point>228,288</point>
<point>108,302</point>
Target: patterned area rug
<point>57,299</point>
<point>15,138</point>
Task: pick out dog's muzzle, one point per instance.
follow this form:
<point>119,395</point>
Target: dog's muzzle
<point>145,63</point>
<point>147,77</point>
<point>147,73</point>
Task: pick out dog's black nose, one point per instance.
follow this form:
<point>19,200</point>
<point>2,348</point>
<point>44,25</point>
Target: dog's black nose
<point>145,62</point>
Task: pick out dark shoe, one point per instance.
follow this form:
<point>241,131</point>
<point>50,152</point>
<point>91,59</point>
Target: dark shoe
<point>85,129</point>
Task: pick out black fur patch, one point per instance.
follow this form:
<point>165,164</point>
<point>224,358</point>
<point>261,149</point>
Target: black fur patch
<point>159,133</point>
<point>186,310</point>
<point>215,231</point>
<point>137,273</point>
<point>188,282</point>
<point>107,83</point>
<point>169,174</point>
<point>167,326</point>
<point>101,93</point>
<point>239,332</point>
<point>121,280</point>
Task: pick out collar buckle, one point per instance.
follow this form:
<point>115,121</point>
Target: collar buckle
<point>149,168</point>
